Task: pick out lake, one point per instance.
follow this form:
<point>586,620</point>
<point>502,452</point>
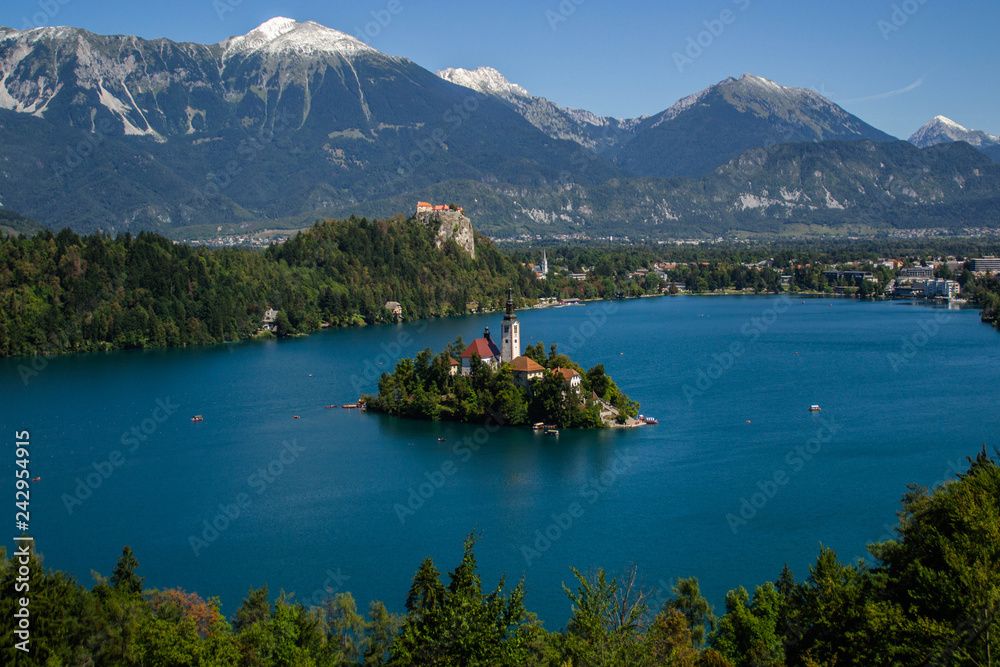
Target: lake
<point>738,478</point>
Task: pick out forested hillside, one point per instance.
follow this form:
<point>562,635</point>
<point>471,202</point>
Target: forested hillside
<point>65,292</point>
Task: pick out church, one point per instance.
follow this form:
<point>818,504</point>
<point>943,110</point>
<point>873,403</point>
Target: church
<point>486,348</point>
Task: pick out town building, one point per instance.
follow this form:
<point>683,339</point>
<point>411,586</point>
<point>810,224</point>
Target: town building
<point>941,288</point>
<point>988,263</point>
<point>849,275</point>
<point>917,272</point>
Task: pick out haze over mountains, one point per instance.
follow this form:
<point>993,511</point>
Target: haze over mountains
<point>295,121</point>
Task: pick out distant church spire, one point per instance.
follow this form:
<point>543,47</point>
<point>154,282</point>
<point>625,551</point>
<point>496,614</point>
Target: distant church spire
<point>510,305</point>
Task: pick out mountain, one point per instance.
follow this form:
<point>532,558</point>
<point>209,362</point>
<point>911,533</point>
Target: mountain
<point>15,224</point>
<point>280,124</point>
<point>295,121</point>
<point>705,130</point>
<point>796,188</point>
<point>941,130</point>
<point>598,133</point>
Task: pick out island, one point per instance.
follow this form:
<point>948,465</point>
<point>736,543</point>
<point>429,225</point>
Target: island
<point>500,384</point>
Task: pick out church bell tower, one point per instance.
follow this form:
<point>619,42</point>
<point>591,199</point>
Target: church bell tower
<point>510,332</point>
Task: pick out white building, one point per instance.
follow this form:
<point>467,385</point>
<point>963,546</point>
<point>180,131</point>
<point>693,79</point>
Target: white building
<point>948,289</point>
<point>510,333</point>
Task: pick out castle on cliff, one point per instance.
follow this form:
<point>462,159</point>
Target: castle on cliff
<point>448,223</point>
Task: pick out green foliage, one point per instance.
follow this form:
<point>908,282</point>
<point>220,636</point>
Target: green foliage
<point>688,601</point>
<point>124,578</point>
<point>423,388</point>
<point>462,625</point>
<point>67,293</point>
<point>748,634</point>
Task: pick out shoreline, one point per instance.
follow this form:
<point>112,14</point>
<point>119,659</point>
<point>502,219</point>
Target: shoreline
<point>326,326</point>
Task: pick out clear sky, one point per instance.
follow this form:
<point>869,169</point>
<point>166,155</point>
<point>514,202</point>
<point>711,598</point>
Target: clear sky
<point>894,63</point>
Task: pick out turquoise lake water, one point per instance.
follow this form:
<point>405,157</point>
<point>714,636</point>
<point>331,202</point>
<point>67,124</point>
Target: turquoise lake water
<point>737,479</point>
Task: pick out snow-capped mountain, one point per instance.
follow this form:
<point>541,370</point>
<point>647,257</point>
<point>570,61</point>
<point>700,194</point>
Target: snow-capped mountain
<point>486,80</point>
<point>281,36</point>
<point>704,131</point>
<point>595,132</point>
<point>940,130</point>
<point>293,118</point>
<point>294,121</point>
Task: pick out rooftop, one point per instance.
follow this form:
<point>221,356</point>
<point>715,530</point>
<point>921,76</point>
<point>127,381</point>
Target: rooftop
<point>526,364</point>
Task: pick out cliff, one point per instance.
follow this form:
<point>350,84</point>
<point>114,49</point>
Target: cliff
<point>451,225</point>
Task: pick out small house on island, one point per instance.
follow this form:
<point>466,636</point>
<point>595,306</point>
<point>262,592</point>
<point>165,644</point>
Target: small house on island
<point>525,370</point>
<point>570,376</point>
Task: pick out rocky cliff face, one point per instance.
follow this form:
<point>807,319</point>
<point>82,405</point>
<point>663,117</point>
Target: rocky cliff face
<point>451,225</point>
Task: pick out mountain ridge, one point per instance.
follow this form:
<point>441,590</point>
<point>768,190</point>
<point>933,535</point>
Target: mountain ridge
<point>294,122</point>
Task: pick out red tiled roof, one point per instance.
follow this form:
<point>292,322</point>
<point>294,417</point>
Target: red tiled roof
<point>526,364</point>
<point>455,363</point>
<point>483,348</point>
<point>567,373</point>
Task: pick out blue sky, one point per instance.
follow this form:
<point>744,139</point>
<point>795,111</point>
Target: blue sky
<point>894,63</point>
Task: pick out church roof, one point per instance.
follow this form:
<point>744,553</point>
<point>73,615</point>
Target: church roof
<point>484,347</point>
<point>526,365</point>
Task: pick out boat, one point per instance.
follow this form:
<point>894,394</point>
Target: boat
<point>36,479</point>
<point>330,406</point>
<point>295,417</point>
<point>814,408</point>
<point>552,431</point>
<point>650,420</point>
<point>197,418</point>
<point>442,439</point>
<point>351,406</point>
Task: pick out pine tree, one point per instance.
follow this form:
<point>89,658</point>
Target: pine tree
<point>124,578</point>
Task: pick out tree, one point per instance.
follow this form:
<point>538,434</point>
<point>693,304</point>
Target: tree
<point>124,578</point>
<point>669,640</point>
<point>346,627</point>
<point>747,635</point>
<point>256,608</point>
<point>688,600</point>
<point>284,327</point>
<point>605,625</point>
<point>426,592</point>
<point>468,627</point>
<point>381,632</point>
<point>945,565</point>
